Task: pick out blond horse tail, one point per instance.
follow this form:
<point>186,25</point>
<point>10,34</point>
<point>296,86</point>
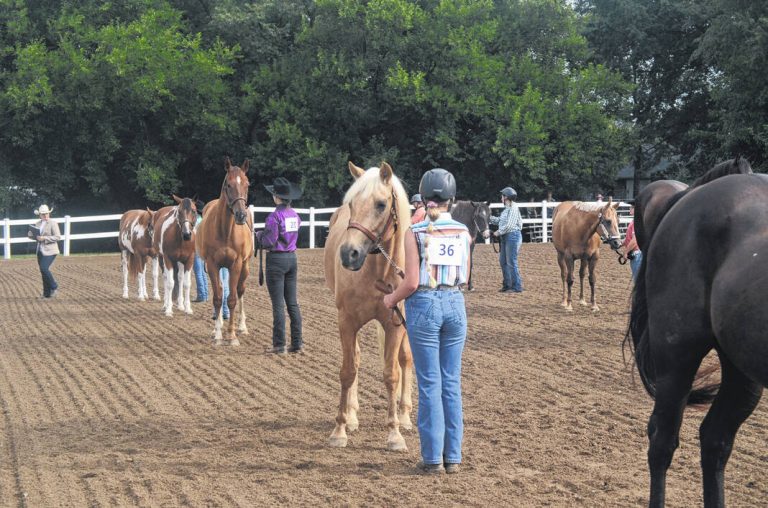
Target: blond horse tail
<point>382,339</point>
<point>134,264</point>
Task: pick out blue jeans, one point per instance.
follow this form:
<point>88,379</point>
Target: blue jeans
<point>49,283</point>
<point>200,279</point>
<point>510,246</point>
<point>437,329</point>
<point>634,264</point>
<point>224,276</point>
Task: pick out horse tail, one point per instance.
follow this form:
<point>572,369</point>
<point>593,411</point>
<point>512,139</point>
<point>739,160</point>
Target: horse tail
<point>134,264</point>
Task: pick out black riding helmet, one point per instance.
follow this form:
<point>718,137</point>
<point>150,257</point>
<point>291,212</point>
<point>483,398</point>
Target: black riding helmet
<point>509,193</point>
<point>438,185</point>
<point>416,198</point>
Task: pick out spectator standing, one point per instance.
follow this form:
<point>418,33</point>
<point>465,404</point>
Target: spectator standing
<point>510,240</point>
<point>47,235</point>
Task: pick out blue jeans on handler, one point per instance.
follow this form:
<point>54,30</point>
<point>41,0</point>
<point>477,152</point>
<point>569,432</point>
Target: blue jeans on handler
<point>634,264</point>
<point>510,246</point>
<point>224,277</point>
<point>437,330</point>
<point>200,279</point>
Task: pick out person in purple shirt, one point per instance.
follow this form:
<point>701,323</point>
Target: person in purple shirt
<point>281,231</point>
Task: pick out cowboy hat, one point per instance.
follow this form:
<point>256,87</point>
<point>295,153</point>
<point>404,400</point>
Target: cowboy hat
<point>43,210</point>
<point>283,189</point>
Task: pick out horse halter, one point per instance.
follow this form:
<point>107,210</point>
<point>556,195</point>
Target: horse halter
<point>376,238</point>
<point>605,237</point>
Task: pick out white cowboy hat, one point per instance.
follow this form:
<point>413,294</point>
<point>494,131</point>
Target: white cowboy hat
<point>43,209</point>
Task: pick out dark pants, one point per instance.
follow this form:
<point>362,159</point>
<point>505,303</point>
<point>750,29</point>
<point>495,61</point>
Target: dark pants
<point>49,283</point>
<point>282,272</point>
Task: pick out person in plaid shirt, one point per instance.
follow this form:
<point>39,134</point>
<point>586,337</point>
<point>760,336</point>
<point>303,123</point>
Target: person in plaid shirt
<point>510,239</point>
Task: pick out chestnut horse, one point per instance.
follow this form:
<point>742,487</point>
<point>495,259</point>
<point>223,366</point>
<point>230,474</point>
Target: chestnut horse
<point>174,241</point>
<point>365,234</point>
<point>135,242</point>
<point>578,229</point>
<point>225,240</point>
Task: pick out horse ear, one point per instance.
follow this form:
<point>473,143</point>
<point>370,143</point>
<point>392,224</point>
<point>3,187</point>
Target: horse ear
<point>246,164</point>
<point>227,163</point>
<point>177,199</point>
<point>616,205</point>
<point>355,171</point>
<point>487,203</point>
<point>385,172</point>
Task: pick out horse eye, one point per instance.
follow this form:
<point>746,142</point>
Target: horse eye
<point>380,206</point>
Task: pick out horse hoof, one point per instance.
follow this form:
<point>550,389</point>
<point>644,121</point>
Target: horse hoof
<point>125,296</point>
<point>583,302</point>
<point>242,331</point>
<point>234,342</point>
<point>397,445</point>
<point>338,442</point>
<point>569,309</point>
<point>156,297</point>
<point>595,309</point>
<point>218,342</point>
<point>141,299</point>
<point>405,422</point>
<point>188,311</point>
<point>352,424</point>
<point>169,313</point>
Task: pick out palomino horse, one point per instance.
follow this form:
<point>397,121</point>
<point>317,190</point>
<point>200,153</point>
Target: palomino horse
<point>174,241</point>
<point>653,199</point>
<point>474,215</point>
<point>225,240</point>
<point>135,242</point>
<point>701,287</point>
<point>366,244</point>
<point>578,229</point>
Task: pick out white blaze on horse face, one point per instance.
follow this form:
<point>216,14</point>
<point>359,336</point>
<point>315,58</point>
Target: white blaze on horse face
<point>238,180</point>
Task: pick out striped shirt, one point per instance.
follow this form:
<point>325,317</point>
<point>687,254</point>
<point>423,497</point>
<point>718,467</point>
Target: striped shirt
<point>444,252</point>
<point>509,220</point>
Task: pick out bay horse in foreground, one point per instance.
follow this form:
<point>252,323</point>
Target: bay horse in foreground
<point>578,230</point>
<point>475,215</point>
<point>702,286</point>
<point>225,240</point>
<point>135,242</point>
<point>173,240</point>
<point>365,233</point>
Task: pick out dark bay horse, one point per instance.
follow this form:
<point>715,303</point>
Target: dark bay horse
<point>173,240</point>
<point>474,215</point>
<point>652,200</point>
<point>135,242</point>
<point>702,286</point>
<point>365,233</point>
<point>578,229</point>
<point>225,240</point>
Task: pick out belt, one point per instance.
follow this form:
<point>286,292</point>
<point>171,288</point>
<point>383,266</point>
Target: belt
<point>441,287</point>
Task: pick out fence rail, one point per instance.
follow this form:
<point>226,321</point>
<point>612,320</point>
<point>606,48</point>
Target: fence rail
<point>537,224</point>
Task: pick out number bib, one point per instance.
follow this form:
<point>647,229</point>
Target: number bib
<point>291,224</point>
<point>444,250</point>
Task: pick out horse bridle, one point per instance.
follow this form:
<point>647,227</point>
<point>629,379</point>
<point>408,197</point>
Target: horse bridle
<point>377,238</point>
<point>605,237</point>
<point>474,220</point>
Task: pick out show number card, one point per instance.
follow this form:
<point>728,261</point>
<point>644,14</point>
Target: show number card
<point>291,224</point>
<point>445,250</point>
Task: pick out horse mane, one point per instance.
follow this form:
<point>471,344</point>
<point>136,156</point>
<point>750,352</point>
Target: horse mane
<point>736,166</point>
<point>585,206</point>
<point>364,187</point>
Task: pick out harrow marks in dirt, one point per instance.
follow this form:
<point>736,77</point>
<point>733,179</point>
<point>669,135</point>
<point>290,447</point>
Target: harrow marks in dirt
<point>108,402</point>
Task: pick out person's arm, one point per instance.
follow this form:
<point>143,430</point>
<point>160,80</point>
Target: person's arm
<point>411,281</point>
<point>55,237</point>
<point>506,224</point>
<point>268,238</point>
<point>632,245</point>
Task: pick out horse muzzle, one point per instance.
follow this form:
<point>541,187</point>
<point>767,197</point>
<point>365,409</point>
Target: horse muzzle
<point>615,243</point>
<point>186,236</point>
<point>240,217</point>
<point>352,258</point>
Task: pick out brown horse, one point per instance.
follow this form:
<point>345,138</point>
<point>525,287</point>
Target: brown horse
<point>364,236</point>
<point>578,229</point>
<point>174,241</point>
<point>135,242</point>
<point>225,240</point>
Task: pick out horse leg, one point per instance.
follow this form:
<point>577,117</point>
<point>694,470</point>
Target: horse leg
<point>563,272</point>
<point>470,285</point>
<point>242,328</point>
<point>392,342</point>
<point>674,385</point>
<point>213,273</point>
<point>180,283</point>
<point>188,287</point>
<point>124,265</point>
<point>737,398</point>
<point>353,405</point>
<point>569,281</point>
<point>155,275</point>
<point>406,382</point>
<point>232,302</point>
<point>582,272</point>
<point>592,280</point>
<point>347,375</point>
<point>168,275</point>
<point>141,277</point>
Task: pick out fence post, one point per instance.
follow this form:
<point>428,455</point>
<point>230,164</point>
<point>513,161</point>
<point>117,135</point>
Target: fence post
<point>67,233</point>
<point>7,238</point>
<point>544,232</point>
<point>311,227</point>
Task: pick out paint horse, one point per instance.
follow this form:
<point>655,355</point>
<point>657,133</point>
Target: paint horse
<point>174,242</point>
<point>474,215</point>
<point>578,230</point>
<point>365,245</point>
<point>135,242</point>
<point>225,240</point>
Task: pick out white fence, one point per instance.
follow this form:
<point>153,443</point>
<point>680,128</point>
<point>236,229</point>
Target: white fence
<point>537,224</point>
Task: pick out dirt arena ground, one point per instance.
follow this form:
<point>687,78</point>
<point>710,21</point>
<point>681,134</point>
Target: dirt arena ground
<point>106,402</point>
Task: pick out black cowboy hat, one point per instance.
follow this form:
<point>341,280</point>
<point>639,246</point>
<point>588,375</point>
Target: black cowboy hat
<point>283,189</point>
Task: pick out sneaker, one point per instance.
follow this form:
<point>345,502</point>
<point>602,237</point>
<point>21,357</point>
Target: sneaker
<point>452,467</point>
<point>431,468</point>
<point>53,294</point>
<point>275,351</point>
<point>503,290</point>
<point>199,299</point>
<point>299,349</point>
